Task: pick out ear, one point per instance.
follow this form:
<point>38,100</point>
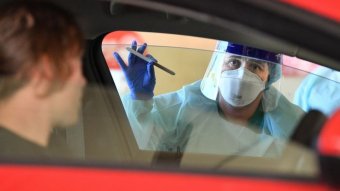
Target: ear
<point>42,77</point>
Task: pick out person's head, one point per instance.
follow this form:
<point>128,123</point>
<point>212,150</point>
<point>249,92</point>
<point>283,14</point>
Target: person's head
<point>41,42</point>
<point>246,72</point>
<point>238,77</point>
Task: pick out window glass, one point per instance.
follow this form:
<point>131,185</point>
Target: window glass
<point>190,113</point>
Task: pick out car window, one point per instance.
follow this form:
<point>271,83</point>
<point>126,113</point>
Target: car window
<point>179,117</point>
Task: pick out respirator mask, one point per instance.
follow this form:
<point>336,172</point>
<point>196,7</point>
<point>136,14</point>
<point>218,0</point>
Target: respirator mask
<point>240,87</point>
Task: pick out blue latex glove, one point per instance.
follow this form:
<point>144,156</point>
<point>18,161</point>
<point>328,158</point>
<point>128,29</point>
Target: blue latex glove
<point>139,74</point>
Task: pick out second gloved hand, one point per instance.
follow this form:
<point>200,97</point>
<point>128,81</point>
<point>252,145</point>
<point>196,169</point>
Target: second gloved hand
<point>139,74</point>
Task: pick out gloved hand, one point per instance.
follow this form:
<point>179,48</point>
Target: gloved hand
<point>139,74</point>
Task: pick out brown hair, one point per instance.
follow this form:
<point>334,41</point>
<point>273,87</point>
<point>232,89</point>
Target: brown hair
<point>29,30</point>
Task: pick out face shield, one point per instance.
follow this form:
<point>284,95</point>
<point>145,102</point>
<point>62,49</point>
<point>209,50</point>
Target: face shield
<point>240,73</point>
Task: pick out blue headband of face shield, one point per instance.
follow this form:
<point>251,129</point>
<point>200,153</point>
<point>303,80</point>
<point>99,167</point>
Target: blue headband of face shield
<point>253,52</point>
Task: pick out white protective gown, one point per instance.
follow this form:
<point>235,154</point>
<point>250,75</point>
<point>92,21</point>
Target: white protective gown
<point>186,120</point>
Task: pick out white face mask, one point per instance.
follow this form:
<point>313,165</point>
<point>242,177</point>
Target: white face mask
<point>240,87</point>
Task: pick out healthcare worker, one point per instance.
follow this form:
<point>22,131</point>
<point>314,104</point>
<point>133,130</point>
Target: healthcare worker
<point>320,90</point>
<point>236,111</point>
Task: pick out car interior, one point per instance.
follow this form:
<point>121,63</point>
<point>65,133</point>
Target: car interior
<point>182,35</point>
